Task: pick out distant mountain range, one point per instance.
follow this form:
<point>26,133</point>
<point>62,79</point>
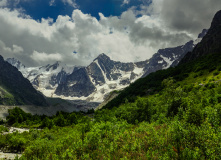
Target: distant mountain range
<point>102,76</point>
<point>90,83</point>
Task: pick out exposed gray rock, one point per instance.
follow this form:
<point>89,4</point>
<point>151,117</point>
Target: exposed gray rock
<point>133,76</point>
<point>14,62</point>
<point>125,81</point>
<point>77,84</point>
<point>170,57</point>
<point>102,71</point>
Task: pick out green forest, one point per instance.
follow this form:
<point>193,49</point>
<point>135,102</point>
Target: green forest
<point>170,114</point>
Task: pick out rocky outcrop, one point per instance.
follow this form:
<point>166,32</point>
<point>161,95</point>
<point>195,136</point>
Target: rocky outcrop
<point>14,62</point>
<point>77,84</point>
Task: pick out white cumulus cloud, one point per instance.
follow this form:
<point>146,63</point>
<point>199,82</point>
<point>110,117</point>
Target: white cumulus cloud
<point>71,3</point>
<point>125,2</point>
<point>52,3</point>
<point>80,38</point>
<point>44,57</point>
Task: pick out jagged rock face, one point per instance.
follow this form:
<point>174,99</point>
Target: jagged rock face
<point>45,78</point>
<point>15,84</point>
<point>96,73</point>
<point>168,57</point>
<point>211,42</point>
<point>77,84</point>
<point>164,58</point>
<point>58,79</point>
<point>49,76</point>
<point>110,70</point>
<point>203,33</point>
<point>14,62</point>
<point>99,78</point>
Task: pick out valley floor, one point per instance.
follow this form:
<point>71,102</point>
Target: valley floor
<point>56,105</point>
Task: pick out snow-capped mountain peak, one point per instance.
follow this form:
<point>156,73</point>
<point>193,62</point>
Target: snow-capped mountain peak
<point>168,57</point>
<point>98,79</point>
<point>45,78</point>
<point>102,56</point>
<point>16,63</point>
<point>102,76</point>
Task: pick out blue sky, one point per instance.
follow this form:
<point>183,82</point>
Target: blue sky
<point>38,9</point>
<point>39,32</point>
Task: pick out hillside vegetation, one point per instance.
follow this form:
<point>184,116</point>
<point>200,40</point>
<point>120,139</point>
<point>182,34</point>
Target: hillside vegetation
<point>152,83</point>
<point>15,89</point>
<point>181,119</point>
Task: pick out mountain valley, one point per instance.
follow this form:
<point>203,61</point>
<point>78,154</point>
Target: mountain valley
<point>96,81</point>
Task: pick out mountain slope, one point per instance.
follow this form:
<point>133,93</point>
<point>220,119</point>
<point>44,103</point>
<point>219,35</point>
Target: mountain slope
<point>15,89</point>
<point>210,43</point>
<point>44,78</point>
<point>193,63</point>
<point>168,57</point>
<point>14,62</point>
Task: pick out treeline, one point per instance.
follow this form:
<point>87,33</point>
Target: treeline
<point>183,121</point>
<point>18,118</point>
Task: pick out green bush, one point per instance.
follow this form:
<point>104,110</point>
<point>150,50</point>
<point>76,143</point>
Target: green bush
<point>215,73</point>
<point>194,115</point>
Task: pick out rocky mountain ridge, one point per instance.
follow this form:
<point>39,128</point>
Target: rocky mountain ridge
<point>91,83</point>
<point>210,43</point>
<point>168,57</point>
<point>101,77</point>
<point>95,81</point>
<point>44,78</point>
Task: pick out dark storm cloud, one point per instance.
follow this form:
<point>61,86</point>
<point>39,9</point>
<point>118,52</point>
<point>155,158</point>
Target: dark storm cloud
<point>189,15</point>
<point>158,37</point>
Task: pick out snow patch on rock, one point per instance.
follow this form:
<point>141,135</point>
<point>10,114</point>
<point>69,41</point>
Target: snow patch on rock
<point>168,61</point>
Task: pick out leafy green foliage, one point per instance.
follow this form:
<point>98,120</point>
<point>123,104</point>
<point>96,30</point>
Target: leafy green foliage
<point>6,97</point>
<point>165,118</point>
<point>18,118</point>
<point>3,129</point>
<point>179,122</point>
